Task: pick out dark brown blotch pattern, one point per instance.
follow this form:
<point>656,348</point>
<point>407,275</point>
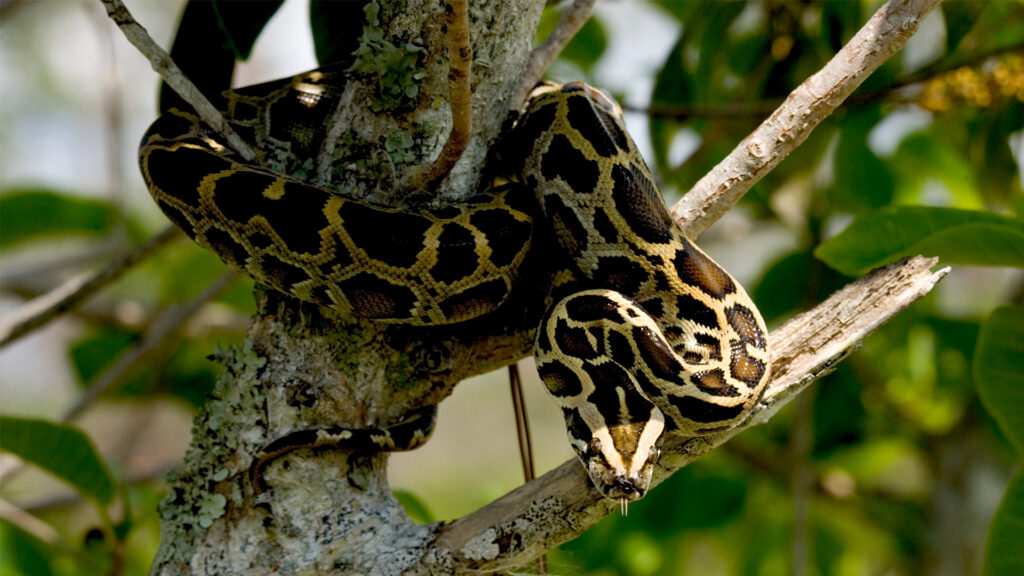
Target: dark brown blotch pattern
<point>693,267</point>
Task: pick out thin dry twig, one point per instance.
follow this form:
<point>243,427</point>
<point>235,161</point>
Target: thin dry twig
<point>460,94</point>
<point>169,321</point>
<point>813,101</point>
<point>175,78</point>
<point>541,58</point>
<point>39,311</point>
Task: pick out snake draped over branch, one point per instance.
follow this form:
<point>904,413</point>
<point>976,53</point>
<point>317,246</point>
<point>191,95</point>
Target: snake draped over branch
<point>651,338</point>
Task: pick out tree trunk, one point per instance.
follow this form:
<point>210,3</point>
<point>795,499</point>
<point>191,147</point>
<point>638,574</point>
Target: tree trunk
<point>303,367</point>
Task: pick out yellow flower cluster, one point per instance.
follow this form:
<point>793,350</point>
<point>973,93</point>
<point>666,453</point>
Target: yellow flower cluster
<point>996,80</point>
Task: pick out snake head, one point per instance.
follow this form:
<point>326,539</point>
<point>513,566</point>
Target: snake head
<point>619,458</point>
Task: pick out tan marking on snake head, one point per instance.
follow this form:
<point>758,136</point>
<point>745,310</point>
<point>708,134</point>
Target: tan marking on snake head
<point>620,459</point>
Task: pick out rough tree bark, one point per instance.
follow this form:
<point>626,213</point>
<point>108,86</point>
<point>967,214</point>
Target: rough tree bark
<point>303,367</point>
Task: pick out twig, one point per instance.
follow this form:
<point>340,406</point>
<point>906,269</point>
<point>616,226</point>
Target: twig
<point>337,126</point>
<point>163,326</point>
<point>525,442</point>
<point>31,272</point>
<point>171,319</point>
<point>541,58</point>
<point>460,95</point>
<point>41,310</point>
<point>764,107</point>
<point>813,101</point>
<point>559,505</point>
<point>933,71</point>
<point>175,78</point>
<point>32,525</point>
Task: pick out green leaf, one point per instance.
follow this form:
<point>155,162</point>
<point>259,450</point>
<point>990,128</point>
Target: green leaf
<point>30,214</point>
<point>999,370</point>
<point>336,29</point>
<point>960,18</point>
<point>862,180</point>
<point>21,553</point>
<point>1004,556</point>
<point>415,508</point>
<point>966,237</point>
<point>60,449</point>
<point>585,48</point>
<point>587,45</point>
<point>94,352</point>
<point>210,37</point>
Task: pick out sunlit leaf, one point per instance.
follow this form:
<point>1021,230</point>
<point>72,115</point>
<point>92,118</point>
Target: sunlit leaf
<point>61,450</point>
<point>29,214</point>
<point>956,236</point>
<point>999,370</point>
<point>1004,555</point>
<point>927,158</point>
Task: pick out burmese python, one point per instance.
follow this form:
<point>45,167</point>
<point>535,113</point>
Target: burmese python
<point>653,339</point>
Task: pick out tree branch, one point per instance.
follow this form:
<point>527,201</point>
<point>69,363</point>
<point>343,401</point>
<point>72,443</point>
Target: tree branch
<point>175,78</point>
<point>556,507</point>
<point>541,58</point>
<point>41,310</point>
<point>813,101</point>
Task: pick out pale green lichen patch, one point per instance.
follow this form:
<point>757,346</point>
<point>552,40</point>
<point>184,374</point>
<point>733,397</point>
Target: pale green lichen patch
<point>396,68</point>
<point>211,507</point>
<point>198,495</point>
<point>399,147</point>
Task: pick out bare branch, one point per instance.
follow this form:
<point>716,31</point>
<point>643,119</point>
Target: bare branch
<point>813,101</point>
<point>561,504</point>
<point>41,310</point>
<point>541,58</point>
<point>175,78</point>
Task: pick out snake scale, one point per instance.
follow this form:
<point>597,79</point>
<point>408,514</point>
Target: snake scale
<point>651,339</point>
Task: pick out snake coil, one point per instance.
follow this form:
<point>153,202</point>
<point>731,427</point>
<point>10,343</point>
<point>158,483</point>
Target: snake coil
<point>653,338</point>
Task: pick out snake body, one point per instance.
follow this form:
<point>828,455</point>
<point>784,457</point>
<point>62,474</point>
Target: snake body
<point>652,338</point>
<point>663,341</point>
<point>434,266</point>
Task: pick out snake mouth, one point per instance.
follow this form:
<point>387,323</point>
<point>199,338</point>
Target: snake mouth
<point>626,489</point>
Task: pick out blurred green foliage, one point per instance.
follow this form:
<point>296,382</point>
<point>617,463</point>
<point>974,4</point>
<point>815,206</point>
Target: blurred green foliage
<point>906,441</point>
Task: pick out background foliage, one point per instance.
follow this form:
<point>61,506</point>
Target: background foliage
<point>900,462</point>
